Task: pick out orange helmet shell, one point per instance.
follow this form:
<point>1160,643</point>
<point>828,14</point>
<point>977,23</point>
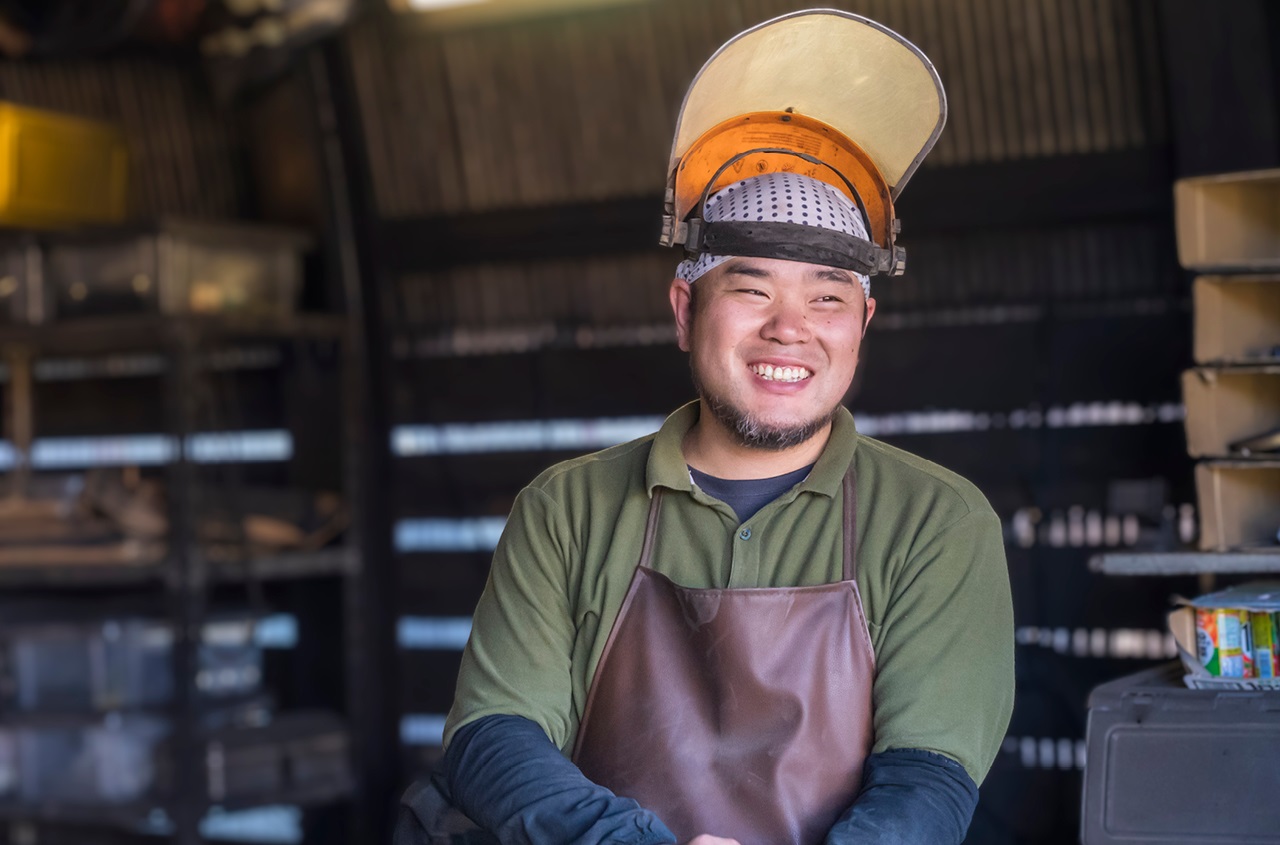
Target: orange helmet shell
<point>771,142</point>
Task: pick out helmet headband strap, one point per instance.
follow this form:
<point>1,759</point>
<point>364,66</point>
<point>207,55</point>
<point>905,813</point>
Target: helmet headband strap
<point>790,242</point>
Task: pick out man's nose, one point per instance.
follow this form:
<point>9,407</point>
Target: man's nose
<point>787,324</point>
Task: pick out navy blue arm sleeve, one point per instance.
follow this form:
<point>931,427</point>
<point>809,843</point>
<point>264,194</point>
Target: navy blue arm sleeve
<point>508,778</point>
<point>909,797</point>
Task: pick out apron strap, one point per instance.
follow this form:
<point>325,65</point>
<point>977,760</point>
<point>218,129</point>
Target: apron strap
<point>850,527</point>
<point>651,527</point>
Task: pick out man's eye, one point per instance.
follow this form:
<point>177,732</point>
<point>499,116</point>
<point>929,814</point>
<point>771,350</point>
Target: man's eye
<point>751,291</point>
<point>830,299</point>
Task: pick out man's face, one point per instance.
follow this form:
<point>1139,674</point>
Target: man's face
<point>773,345</point>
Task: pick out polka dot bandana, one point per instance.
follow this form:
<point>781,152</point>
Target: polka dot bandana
<point>778,198</point>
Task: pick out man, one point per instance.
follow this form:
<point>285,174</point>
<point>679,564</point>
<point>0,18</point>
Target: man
<point>756,626</point>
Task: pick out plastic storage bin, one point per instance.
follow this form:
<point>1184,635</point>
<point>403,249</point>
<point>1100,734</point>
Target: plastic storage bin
<point>1169,764</point>
<point>293,751</point>
<point>317,751</point>
<point>230,659</point>
<point>106,665</point>
<point>24,297</point>
<point>241,764</point>
<point>107,762</point>
<point>120,758</point>
<point>177,268</point>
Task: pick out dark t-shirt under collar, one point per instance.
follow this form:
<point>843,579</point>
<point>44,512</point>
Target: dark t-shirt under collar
<point>748,495</point>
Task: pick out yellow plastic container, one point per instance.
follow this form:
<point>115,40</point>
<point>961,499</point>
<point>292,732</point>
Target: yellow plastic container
<point>58,170</point>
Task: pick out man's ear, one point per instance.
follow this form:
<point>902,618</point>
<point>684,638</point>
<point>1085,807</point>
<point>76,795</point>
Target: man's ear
<point>871,310</point>
<point>682,308</point>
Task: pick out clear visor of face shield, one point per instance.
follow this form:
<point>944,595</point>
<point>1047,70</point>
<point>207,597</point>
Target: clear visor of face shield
<point>862,79</point>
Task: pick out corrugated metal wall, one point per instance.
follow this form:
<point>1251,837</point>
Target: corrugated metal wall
<point>183,153</point>
<point>584,108</point>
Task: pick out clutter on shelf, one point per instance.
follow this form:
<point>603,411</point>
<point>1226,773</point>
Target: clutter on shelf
<point>1227,639</point>
<point>121,517</point>
<point>85,715</point>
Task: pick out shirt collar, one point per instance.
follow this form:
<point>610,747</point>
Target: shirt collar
<point>667,467</point>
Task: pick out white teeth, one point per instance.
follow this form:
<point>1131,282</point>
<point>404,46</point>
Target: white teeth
<point>772,373</point>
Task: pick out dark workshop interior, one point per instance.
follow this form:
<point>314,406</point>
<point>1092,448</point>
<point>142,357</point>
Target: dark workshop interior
<point>297,295</point>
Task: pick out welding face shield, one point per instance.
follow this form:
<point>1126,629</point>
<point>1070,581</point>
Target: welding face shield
<point>821,93</point>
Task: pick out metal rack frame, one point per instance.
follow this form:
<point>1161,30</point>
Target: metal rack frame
<point>185,576</point>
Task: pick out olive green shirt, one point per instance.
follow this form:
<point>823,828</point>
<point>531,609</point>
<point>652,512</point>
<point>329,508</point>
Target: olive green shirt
<point>930,569</point>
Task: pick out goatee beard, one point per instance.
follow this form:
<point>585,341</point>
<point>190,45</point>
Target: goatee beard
<point>753,432</point>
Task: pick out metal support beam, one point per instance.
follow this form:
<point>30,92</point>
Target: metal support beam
<point>371,600</point>
<point>1027,193</point>
<point>1221,72</point>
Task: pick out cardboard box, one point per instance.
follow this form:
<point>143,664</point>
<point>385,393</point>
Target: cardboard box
<point>1237,319</point>
<point>1229,221</point>
<point>1239,505</point>
<point>1228,405</point>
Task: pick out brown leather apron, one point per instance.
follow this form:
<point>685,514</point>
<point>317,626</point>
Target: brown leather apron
<point>743,713</point>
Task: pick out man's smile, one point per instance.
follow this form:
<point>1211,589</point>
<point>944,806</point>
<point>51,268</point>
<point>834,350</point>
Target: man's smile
<point>769,372</point>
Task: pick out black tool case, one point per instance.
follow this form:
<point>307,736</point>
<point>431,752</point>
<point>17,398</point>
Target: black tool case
<point>1167,764</point>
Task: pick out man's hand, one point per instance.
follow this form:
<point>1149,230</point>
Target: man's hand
<point>708,839</point>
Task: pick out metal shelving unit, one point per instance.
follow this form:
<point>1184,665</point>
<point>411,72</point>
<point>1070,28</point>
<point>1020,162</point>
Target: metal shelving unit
<point>184,576</point>
<point>1186,563</point>
<point>335,561</point>
<point>151,817</point>
<point>1182,730</point>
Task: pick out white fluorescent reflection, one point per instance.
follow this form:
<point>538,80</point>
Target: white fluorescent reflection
<point>1046,752</point>
<point>476,534</point>
<point>442,633</point>
<point>240,446</point>
<point>422,729</point>
<point>569,435</point>
<point>279,631</point>
<point>120,366</point>
<point>433,5</point>
<point>519,436</point>
<point>153,450</point>
<point>1114,643</point>
<point>271,824</point>
<point>69,452</point>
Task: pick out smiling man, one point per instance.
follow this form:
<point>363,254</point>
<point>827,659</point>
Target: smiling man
<point>773,345</point>
<point>776,347</point>
<point>756,626</point>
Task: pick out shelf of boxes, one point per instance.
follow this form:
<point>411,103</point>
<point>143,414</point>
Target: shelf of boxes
<point>1227,228</point>
<point>1150,728</point>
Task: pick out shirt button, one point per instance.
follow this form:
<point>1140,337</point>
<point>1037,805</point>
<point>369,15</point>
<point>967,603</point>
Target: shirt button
<point>745,533</point>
